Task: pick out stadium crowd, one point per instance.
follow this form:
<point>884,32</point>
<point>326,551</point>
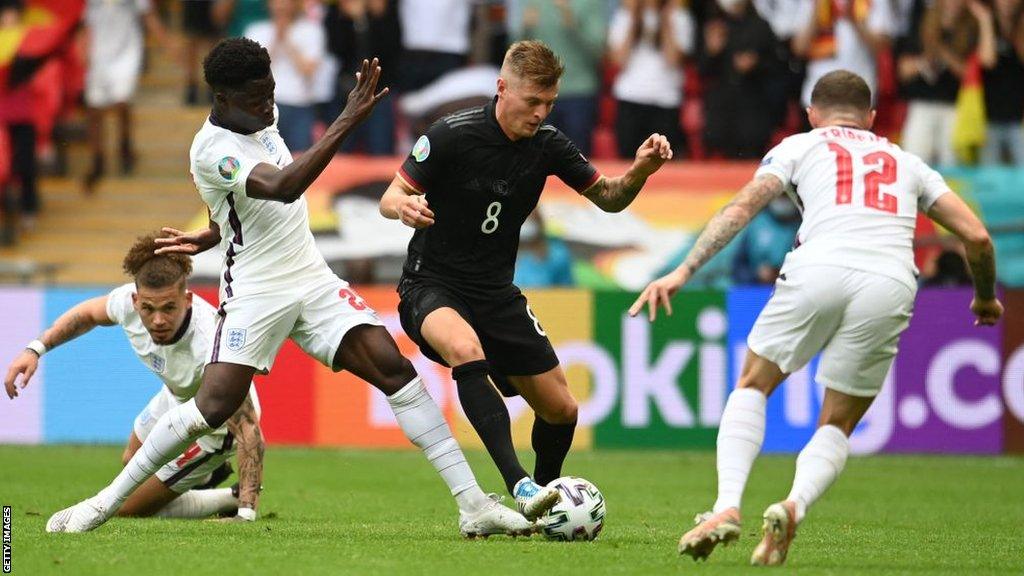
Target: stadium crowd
<point>722,79</point>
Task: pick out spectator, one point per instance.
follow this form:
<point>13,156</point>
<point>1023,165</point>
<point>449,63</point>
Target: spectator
<point>649,39</point>
<point>763,246</point>
<point>200,34</point>
<point>296,45</point>
<point>931,62</point>
<point>738,64</point>
<point>235,16</point>
<point>1001,51</point>
<point>358,30</point>
<point>543,261</point>
<point>436,39</point>
<point>116,43</point>
<point>17,141</point>
<point>575,30</point>
<point>843,34</point>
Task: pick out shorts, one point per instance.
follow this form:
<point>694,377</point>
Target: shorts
<point>315,313</point>
<point>512,338</point>
<point>114,82</point>
<point>193,467</point>
<point>854,318</point>
<point>197,19</point>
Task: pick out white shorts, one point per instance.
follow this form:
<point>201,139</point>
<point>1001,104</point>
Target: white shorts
<point>114,82</point>
<point>315,314</point>
<point>854,318</point>
<point>192,467</point>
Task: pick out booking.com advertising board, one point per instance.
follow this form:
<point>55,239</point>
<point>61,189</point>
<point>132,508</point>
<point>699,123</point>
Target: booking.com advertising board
<point>954,388</point>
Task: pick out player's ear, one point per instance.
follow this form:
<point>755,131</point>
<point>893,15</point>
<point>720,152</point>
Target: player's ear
<point>502,86</point>
<point>135,300</point>
<point>812,116</point>
<point>188,298</point>
<point>871,118</point>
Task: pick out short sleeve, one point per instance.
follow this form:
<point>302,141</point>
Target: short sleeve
<point>568,163</point>
<point>428,161</point>
<point>619,27</point>
<point>682,27</point>
<point>221,166</point>
<point>933,185</point>
<point>780,162</point>
<point>119,303</point>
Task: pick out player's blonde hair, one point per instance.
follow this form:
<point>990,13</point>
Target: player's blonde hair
<point>155,270</point>
<point>532,60</point>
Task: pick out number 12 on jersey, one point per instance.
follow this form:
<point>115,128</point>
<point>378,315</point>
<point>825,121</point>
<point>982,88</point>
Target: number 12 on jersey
<point>884,173</point>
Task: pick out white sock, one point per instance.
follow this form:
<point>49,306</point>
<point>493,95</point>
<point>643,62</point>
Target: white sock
<point>422,422</point>
<point>740,435</point>
<point>818,466</point>
<point>200,504</point>
<point>175,430</point>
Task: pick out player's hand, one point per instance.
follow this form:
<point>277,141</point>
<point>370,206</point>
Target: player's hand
<point>364,96</point>
<point>659,293</point>
<point>26,365</point>
<point>654,152</point>
<point>190,243</point>
<point>986,312</point>
<point>414,213</point>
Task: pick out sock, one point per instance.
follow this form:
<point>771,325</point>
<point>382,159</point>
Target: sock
<point>818,466</point>
<point>422,422</point>
<point>200,504</point>
<point>489,417</point>
<point>740,435</point>
<point>175,430</point>
<point>551,442</point>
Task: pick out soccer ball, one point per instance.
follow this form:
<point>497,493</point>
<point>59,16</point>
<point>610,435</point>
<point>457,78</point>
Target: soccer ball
<point>580,514</point>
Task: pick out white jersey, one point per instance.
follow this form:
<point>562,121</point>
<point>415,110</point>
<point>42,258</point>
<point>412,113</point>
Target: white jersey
<point>266,243</point>
<point>179,365</point>
<point>859,195</point>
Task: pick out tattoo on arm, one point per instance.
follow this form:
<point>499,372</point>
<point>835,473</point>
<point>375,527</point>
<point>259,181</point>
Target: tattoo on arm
<point>69,326</point>
<point>982,261</point>
<point>245,426</point>
<point>615,194</point>
<point>733,217</point>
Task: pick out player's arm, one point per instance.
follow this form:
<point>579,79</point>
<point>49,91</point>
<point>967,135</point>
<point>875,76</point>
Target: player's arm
<point>245,426</point>
<point>615,194</point>
<point>80,319</point>
<point>268,182</point>
<point>950,211</point>
<point>190,243</point>
<point>401,201</point>
<point>723,227</point>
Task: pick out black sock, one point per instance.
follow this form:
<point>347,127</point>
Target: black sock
<point>551,442</point>
<point>489,417</point>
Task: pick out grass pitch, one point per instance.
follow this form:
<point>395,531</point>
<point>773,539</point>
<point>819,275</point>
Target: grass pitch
<point>357,512</point>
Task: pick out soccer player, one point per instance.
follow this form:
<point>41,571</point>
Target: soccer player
<point>276,285</point>
<point>467,187</point>
<point>171,332</point>
<point>847,290</point>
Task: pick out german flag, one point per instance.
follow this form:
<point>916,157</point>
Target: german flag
<point>969,129</point>
<point>46,29</point>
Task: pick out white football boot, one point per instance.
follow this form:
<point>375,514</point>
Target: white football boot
<point>494,518</point>
<point>533,499</point>
<point>85,516</point>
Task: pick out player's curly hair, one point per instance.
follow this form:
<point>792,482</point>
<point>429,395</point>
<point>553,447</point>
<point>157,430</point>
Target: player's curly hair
<point>155,270</point>
<point>534,61</point>
<point>235,61</point>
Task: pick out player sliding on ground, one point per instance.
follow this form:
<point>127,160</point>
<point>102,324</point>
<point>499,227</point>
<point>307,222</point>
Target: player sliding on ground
<point>276,285</point>
<point>171,332</point>
<point>847,290</point>
<point>467,187</point>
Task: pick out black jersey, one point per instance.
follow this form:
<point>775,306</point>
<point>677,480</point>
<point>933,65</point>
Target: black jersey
<point>481,187</point>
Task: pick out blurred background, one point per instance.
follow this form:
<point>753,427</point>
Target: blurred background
<point>100,99</point>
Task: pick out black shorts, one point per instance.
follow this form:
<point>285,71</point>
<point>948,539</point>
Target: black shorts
<point>197,19</point>
<point>513,341</point>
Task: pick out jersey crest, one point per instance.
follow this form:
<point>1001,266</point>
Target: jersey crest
<point>236,339</point>
<point>422,149</point>
<point>268,143</point>
<point>158,363</point>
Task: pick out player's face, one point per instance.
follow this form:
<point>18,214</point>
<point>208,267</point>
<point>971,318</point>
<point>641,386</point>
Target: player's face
<point>162,310</point>
<point>525,105</point>
<point>249,109</point>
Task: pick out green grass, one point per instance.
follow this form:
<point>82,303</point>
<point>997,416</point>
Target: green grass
<point>355,512</point>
